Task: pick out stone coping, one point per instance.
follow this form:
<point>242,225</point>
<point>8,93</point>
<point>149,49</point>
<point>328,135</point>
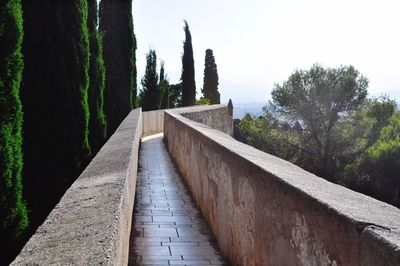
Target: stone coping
<point>153,121</point>
<point>91,224</point>
<point>377,223</point>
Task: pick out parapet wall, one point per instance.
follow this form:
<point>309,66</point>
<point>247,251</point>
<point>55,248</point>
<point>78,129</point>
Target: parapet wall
<point>91,224</point>
<point>266,211</point>
<point>216,116</point>
<point>153,122</point>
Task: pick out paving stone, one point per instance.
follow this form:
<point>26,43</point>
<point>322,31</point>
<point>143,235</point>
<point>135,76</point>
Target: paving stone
<point>192,251</point>
<point>190,262</point>
<point>168,228</point>
<point>160,232</point>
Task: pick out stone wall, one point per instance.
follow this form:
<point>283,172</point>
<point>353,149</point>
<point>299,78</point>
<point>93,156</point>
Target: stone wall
<point>153,122</point>
<point>91,224</point>
<point>216,116</point>
<point>267,211</point>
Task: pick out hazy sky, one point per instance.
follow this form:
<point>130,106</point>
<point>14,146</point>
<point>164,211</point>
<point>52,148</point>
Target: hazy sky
<point>257,43</point>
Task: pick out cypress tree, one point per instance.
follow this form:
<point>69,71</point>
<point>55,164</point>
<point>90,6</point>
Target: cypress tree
<point>163,88</point>
<point>55,101</point>
<point>134,99</point>
<point>210,87</point>
<point>13,214</point>
<point>188,81</point>
<point>119,44</point>
<point>97,122</point>
<point>150,94</point>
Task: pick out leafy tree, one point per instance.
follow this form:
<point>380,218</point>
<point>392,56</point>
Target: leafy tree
<point>265,134</point>
<point>319,98</point>
<point>13,213</point>
<point>188,81</point>
<point>210,87</point>
<point>150,94</point>
<point>116,23</point>
<point>377,171</point>
<point>163,87</point>
<point>175,95</point>
<point>97,122</point>
<point>358,130</point>
<point>308,121</point>
<point>55,99</point>
<point>378,111</point>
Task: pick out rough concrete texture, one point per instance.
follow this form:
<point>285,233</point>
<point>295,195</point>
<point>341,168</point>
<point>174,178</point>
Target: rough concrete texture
<point>92,222</point>
<point>216,116</point>
<point>153,122</point>
<point>219,118</point>
<point>266,211</point>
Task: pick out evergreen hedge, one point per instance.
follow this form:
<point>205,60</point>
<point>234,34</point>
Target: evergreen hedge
<point>13,213</point>
<point>55,99</point>
<point>97,123</point>
<point>119,44</point>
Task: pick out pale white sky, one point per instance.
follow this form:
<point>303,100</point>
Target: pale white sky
<point>257,43</point>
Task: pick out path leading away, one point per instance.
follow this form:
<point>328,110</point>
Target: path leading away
<point>167,228</point>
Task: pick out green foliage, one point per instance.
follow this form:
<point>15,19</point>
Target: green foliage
<point>97,122</point>
<point>163,87</point>
<point>203,101</point>
<point>358,130</point>
<point>320,120</point>
<point>187,78</point>
<point>55,99</point>
<point>134,100</point>
<point>150,94</point>
<point>377,170</point>
<point>320,98</point>
<point>13,213</point>
<point>378,111</point>
<point>175,95</point>
<point>210,87</point>
<point>119,48</point>
<point>265,134</point>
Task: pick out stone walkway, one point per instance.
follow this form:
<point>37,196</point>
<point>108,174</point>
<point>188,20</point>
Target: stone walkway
<point>168,228</point>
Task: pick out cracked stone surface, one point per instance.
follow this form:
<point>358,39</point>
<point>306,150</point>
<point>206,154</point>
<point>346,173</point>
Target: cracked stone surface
<point>168,229</point>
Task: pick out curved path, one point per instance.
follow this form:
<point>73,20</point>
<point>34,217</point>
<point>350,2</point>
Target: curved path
<point>167,228</point>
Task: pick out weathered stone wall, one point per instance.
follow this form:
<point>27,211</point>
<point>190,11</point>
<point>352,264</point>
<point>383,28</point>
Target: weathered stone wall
<point>267,211</point>
<point>92,222</point>
<point>216,116</point>
<point>153,122</point>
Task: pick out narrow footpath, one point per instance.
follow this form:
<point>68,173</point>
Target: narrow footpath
<point>168,229</point>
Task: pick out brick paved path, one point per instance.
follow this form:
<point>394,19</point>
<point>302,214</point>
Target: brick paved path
<point>167,227</point>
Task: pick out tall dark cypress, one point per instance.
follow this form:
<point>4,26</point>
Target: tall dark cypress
<point>134,99</point>
<point>150,94</point>
<point>210,87</point>
<point>163,87</point>
<point>55,100</point>
<point>97,122</point>
<point>116,23</point>
<point>188,81</point>
<point>13,214</point>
